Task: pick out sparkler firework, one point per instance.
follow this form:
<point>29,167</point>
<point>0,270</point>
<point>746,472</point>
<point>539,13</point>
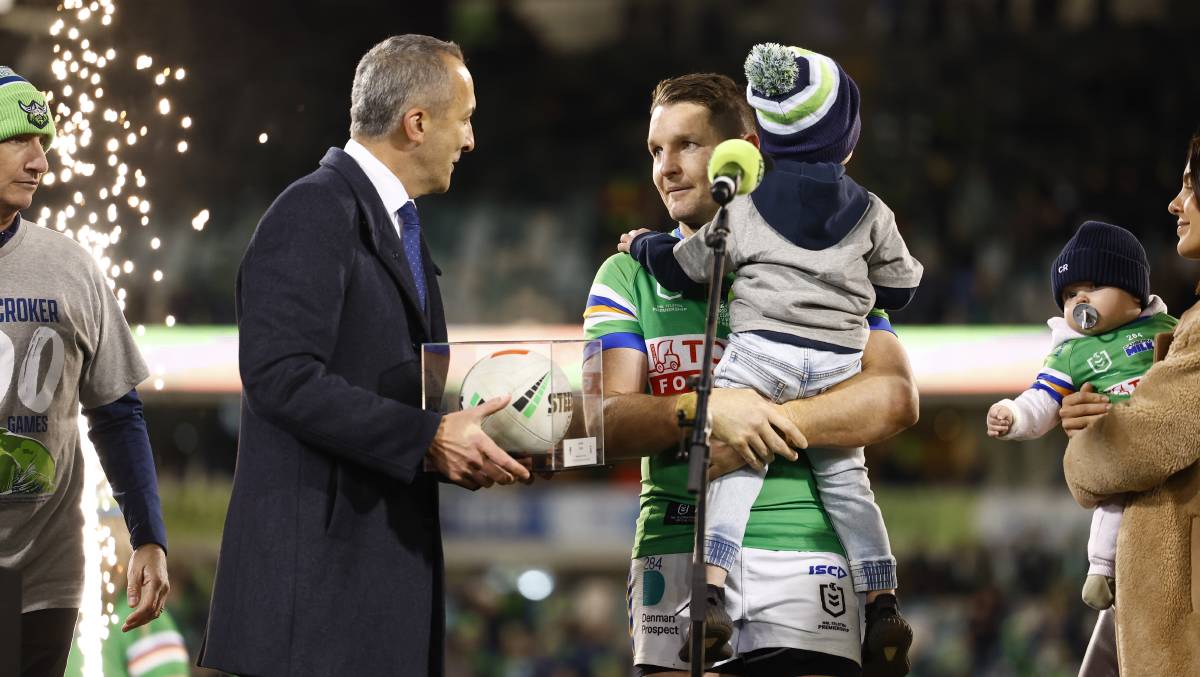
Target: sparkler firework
<point>99,198</point>
<point>102,197</point>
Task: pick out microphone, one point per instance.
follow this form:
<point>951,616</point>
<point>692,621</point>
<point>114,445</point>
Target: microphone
<point>735,168</point>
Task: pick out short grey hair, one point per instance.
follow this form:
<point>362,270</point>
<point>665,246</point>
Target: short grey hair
<point>395,75</point>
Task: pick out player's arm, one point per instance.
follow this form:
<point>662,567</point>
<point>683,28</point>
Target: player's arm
<point>754,428</point>
<point>866,409</point>
<point>635,423</point>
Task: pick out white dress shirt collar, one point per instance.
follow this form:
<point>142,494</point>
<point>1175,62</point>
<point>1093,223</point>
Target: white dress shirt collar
<point>387,184</point>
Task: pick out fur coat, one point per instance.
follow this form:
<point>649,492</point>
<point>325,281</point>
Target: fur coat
<point>1148,448</point>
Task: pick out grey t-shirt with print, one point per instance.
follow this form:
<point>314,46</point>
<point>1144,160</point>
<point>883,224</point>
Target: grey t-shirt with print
<point>63,343</point>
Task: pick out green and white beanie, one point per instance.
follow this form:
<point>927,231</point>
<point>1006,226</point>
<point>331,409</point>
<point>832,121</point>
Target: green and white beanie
<point>23,108</point>
<point>805,104</point>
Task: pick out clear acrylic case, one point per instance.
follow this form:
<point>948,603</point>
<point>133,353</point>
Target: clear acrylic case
<point>556,413</point>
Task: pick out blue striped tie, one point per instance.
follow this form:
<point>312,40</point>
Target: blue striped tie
<point>410,234</point>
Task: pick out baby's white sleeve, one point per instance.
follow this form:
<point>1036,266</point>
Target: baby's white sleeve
<point>1035,413</point>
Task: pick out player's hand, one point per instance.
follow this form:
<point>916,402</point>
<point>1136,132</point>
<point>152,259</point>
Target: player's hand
<point>627,239</point>
<point>722,459</point>
<point>466,456</point>
<point>147,585</point>
<point>756,428</point>
<point>999,420</point>
<point>1081,409</point>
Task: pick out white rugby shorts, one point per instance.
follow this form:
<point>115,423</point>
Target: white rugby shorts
<point>800,600</point>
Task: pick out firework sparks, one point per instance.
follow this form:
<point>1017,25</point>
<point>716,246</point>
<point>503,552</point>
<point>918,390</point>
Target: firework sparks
<point>102,197</point>
<point>107,194</point>
<point>99,558</point>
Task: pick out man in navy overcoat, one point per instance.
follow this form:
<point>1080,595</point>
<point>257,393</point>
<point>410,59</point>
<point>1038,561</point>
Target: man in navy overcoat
<point>331,559</point>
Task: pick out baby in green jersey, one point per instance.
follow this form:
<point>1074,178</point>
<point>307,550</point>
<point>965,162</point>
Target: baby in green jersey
<point>1105,337</point>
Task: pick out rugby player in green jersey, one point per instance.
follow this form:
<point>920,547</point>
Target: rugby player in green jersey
<point>792,603</point>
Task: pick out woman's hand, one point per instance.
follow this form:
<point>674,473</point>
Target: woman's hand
<point>1081,409</point>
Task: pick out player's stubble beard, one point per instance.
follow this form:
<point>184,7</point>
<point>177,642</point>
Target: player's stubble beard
<point>700,215</point>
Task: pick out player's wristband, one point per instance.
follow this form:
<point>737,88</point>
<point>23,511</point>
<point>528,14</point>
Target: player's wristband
<point>685,406</point>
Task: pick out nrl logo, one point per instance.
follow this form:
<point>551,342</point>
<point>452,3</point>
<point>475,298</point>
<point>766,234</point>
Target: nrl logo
<point>36,112</point>
<point>1100,362</point>
<point>833,599</point>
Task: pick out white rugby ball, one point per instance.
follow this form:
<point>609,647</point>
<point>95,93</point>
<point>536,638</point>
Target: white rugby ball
<point>540,407</point>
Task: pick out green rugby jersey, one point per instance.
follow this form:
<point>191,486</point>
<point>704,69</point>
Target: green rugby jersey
<point>627,308</point>
<point>1113,362</point>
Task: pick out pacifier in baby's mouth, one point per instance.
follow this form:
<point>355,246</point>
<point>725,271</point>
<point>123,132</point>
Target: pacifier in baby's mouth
<point>1085,316</point>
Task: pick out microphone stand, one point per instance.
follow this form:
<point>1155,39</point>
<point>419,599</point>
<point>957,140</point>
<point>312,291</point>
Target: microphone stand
<point>697,448</point>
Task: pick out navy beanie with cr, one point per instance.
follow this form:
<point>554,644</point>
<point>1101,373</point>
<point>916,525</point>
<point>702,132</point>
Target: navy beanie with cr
<point>1105,255</point>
